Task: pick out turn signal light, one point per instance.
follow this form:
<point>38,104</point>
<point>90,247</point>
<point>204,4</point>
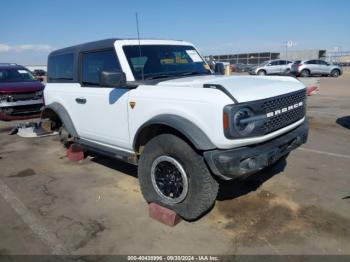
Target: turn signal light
<point>225,120</point>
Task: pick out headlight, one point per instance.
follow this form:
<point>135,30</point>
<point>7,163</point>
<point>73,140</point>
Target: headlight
<point>241,121</point>
<point>39,93</point>
<point>3,98</point>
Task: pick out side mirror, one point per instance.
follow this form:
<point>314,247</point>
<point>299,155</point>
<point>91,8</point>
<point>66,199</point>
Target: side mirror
<point>112,79</point>
<point>219,68</point>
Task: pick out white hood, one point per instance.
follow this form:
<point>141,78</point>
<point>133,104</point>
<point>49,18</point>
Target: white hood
<point>243,88</point>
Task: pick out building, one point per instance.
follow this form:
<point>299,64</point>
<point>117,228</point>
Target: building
<point>258,58</point>
<point>245,58</point>
<point>304,54</point>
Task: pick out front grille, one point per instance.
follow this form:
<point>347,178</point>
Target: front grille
<point>22,110</point>
<point>285,118</point>
<point>22,97</point>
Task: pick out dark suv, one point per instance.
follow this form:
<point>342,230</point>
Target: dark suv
<point>21,95</point>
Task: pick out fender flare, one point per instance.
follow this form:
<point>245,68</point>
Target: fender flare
<point>191,131</point>
<point>63,115</point>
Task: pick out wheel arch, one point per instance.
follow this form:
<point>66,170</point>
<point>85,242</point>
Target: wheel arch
<point>56,111</point>
<point>261,70</point>
<point>172,124</point>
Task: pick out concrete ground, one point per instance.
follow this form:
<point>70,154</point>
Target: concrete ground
<point>49,205</point>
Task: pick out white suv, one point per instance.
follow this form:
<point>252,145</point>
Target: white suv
<point>156,103</point>
<point>272,67</point>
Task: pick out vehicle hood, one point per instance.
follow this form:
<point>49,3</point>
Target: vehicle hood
<point>242,88</point>
<point>21,87</point>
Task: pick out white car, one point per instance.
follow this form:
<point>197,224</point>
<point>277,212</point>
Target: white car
<point>308,68</point>
<point>156,103</point>
<point>272,67</point>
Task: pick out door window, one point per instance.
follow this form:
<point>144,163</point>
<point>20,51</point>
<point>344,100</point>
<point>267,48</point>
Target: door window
<point>321,62</point>
<point>93,63</point>
<point>60,67</point>
<point>312,62</point>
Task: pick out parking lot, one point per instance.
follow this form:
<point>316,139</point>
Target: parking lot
<point>50,205</point>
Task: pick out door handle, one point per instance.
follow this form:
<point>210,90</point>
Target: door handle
<point>80,100</point>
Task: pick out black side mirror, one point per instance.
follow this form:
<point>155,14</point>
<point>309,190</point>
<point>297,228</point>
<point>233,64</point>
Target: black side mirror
<point>112,79</point>
<point>219,68</point>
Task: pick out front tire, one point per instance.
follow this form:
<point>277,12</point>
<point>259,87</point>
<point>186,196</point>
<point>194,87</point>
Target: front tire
<point>261,72</point>
<point>173,175</point>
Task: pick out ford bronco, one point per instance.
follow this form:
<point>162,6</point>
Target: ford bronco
<point>157,104</point>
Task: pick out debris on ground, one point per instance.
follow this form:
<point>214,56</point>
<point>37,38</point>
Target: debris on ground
<point>32,129</point>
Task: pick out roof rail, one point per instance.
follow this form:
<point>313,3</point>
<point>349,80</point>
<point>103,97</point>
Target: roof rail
<point>8,64</point>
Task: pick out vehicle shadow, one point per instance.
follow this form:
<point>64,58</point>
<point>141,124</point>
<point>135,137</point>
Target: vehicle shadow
<point>115,164</point>
<point>227,189</point>
<point>232,189</point>
<point>344,121</point>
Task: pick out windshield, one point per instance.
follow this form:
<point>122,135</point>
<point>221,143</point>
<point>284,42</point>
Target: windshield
<point>15,75</point>
<point>160,61</point>
<point>265,63</point>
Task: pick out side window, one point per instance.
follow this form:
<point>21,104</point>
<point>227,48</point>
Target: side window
<point>60,67</point>
<point>321,62</point>
<point>312,62</point>
<point>93,63</point>
<point>274,63</point>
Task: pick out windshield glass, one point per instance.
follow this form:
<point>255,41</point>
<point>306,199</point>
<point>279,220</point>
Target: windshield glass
<point>15,75</point>
<point>158,61</point>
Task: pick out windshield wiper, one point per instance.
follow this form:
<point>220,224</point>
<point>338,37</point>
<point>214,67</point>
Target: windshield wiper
<point>193,73</point>
<point>158,76</point>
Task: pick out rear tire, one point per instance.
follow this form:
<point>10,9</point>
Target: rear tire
<point>305,73</point>
<point>167,162</point>
<point>335,73</point>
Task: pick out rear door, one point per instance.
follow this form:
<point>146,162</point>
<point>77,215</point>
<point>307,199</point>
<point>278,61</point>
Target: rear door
<point>312,65</point>
<point>283,66</point>
<point>103,116</point>
<point>323,67</point>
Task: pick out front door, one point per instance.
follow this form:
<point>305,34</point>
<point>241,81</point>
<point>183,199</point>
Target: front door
<point>102,111</point>
<point>273,68</point>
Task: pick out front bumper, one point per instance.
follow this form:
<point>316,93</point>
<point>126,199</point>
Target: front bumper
<point>20,112</point>
<point>233,163</point>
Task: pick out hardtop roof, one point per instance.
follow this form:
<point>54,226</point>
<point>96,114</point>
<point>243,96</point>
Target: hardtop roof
<point>101,44</point>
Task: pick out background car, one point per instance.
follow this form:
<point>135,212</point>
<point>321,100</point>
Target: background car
<point>240,67</point>
<point>21,95</point>
<point>316,67</point>
<point>272,67</point>
<point>39,74</point>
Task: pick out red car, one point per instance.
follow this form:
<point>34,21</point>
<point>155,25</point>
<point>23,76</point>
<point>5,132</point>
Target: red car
<point>21,95</point>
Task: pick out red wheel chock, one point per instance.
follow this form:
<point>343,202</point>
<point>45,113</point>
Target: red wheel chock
<point>310,90</point>
<point>75,152</point>
<point>163,215</point>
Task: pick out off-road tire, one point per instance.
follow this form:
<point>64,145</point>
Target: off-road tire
<point>202,187</point>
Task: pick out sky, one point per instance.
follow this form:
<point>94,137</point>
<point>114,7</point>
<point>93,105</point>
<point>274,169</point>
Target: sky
<point>31,29</point>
